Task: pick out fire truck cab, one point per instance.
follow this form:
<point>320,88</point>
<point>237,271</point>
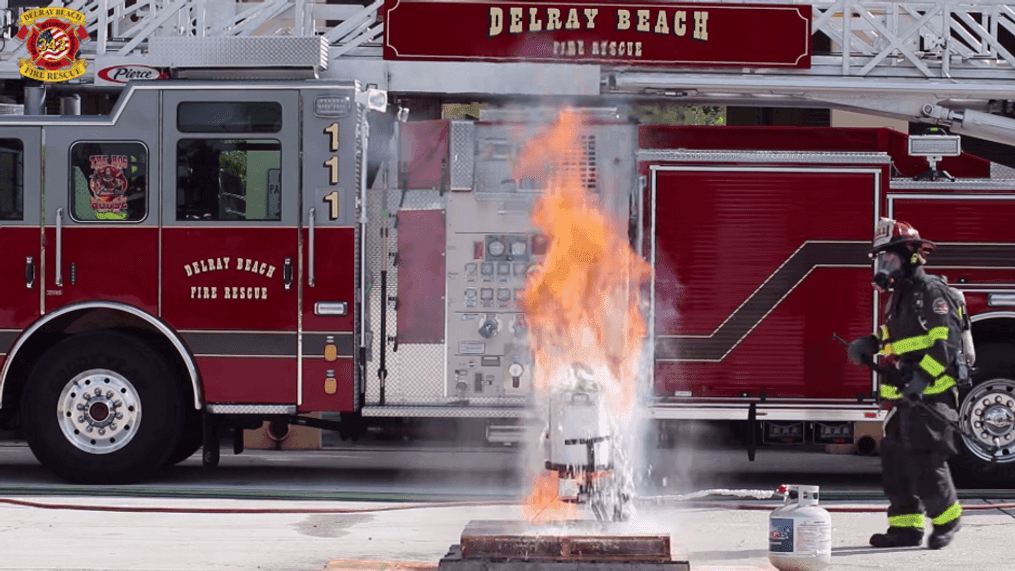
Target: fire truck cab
<point>196,252</point>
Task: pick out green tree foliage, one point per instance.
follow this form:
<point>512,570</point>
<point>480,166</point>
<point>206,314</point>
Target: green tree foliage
<point>235,162</point>
<point>670,114</point>
<point>462,110</point>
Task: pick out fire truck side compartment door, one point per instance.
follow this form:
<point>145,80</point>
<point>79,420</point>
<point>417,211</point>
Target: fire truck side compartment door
<point>334,147</point>
<point>761,271</point>
<point>230,242</point>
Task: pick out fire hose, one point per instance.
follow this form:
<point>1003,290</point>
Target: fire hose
<point>645,500</point>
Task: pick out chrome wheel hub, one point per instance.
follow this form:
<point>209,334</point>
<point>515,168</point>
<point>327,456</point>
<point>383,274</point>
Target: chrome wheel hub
<point>988,416</point>
<point>99,411</point>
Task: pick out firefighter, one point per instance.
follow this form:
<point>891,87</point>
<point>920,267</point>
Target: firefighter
<point>921,340</point>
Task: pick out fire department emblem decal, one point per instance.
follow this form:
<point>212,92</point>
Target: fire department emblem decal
<point>108,184</point>
<point>940,306</point>
<point>52,37</point>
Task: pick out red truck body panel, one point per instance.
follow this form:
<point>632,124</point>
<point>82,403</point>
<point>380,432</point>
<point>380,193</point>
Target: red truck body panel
<point>755,269</point>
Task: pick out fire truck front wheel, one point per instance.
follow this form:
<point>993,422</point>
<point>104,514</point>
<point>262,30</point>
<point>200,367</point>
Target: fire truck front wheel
<point>987,415</point>
<point>102,408</point>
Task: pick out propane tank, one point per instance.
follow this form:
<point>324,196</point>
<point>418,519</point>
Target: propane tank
<point>579,425</point>
<point>800,532</point>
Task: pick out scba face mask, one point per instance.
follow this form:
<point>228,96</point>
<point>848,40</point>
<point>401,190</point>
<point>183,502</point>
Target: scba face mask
<point>888,270</point>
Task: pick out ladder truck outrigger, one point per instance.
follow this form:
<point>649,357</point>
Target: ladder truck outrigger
<point>217,214</point>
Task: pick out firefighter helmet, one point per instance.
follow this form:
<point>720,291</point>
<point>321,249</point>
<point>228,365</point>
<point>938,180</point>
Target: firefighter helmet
<point>891,233</point>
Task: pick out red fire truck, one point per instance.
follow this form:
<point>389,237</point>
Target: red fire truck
<point>218,251</point>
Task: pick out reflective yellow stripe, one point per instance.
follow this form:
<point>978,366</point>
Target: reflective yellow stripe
<point>942,384</point>
<point>919,342</point>
<point>891,393</point>
<point>888,350</point>
<point>910,520</point>
<point>951,514</point>
<point>933,368</point>
<point>882,333</point>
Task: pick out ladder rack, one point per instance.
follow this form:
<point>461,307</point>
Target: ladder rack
<point>939,61</point>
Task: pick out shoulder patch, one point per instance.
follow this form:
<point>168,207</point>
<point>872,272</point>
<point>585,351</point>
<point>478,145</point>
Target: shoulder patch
<point>941,306</point>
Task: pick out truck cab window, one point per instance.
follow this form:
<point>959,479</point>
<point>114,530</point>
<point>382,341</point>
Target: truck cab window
<point>228,179</point>
<point>12,152</point>
<point>229,117</point>
<point>109,181</point>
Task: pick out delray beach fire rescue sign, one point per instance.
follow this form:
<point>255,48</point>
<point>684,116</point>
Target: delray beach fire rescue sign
<point>52,37</point>
<point>620,33</point>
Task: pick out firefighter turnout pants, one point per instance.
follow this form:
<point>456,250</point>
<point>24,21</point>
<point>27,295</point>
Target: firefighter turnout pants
<point>916,480</point>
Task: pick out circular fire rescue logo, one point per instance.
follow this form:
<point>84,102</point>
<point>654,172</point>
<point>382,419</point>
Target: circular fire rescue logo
<point>52,37</point>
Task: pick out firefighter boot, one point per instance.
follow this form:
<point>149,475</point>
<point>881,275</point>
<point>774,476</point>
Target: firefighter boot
<point>943,534</point>
<point>898,537</point>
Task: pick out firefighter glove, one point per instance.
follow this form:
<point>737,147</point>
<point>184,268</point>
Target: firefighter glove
<point>862,350</point>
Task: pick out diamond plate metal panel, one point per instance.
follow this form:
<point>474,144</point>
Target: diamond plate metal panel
<point>252,408</point>
<point>360,329</point>
<point>447,411</point>
<point>239,51</point>
<point>415,373</point>
<point>463,154</point>
<point>420,200</point>
<point>661,155</point>
<point>967,185</point>
<point>999,171</point>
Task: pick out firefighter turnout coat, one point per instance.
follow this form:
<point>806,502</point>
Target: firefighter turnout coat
<point>922,337</point>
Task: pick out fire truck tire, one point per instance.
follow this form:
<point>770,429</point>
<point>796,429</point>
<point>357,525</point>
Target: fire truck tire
<point>190,440</point>
<point>102,408</point>
<point>987,411</point>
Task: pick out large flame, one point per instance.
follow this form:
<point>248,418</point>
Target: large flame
<point>544,505</point>
<point>581,303</point>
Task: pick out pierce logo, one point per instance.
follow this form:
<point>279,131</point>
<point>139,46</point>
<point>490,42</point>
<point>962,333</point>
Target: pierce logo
<point>52,37</point>
<point>125,73</point>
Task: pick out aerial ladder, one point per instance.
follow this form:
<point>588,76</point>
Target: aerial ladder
<point>940,62</point>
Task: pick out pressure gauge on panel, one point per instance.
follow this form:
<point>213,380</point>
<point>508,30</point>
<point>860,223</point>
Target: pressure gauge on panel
<point>518,248</point>
<point>495,248</point>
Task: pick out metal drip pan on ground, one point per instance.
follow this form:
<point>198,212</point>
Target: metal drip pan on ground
<point>572,546</point>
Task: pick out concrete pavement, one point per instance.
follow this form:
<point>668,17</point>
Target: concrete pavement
<point>181,534</point>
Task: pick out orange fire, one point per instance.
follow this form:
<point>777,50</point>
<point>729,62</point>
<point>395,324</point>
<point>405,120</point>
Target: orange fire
<point>544,505</point>
<point>582,302</point>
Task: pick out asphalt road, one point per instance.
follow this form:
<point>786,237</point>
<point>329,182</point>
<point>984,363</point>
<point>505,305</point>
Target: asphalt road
<point>397,471</point>
<point>363,506</point>
<point>195,519</point>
